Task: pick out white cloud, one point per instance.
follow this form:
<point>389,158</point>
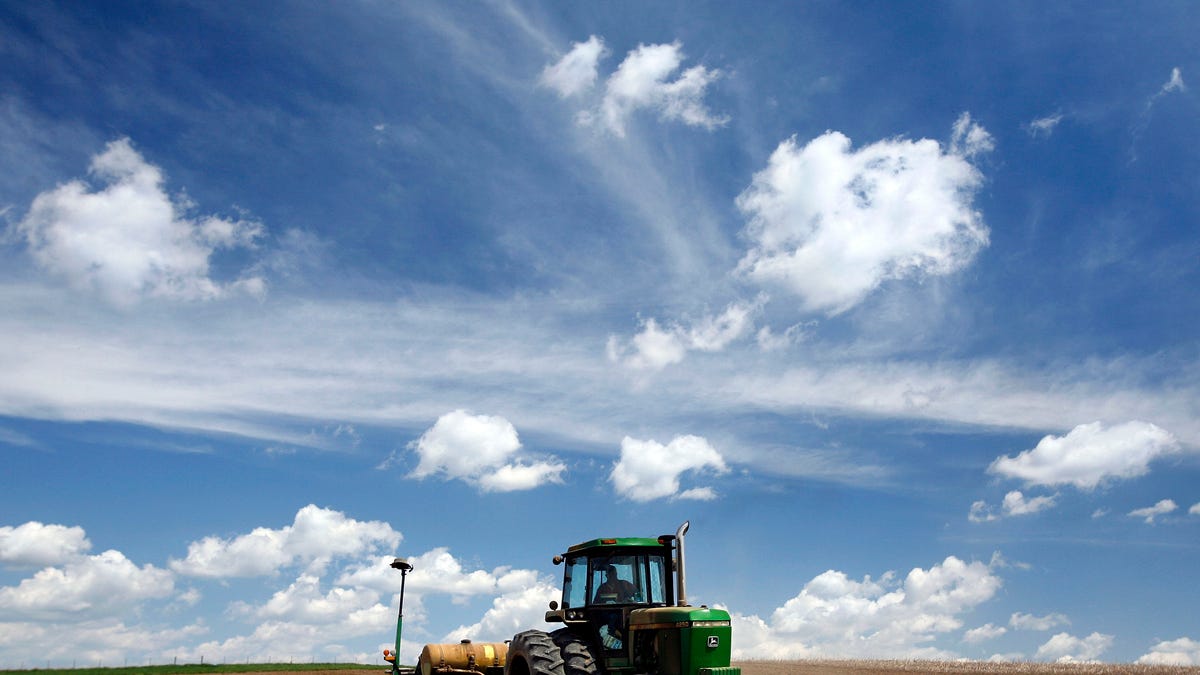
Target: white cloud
<point>1066,648</point>
<point>651,349</point>
<point>512,477</point>
<point>88,586</point>
<point>520,595</point>
<point>982,512</point>
<point>1015,504</point>
<point>480,449</point>
<point>968,138</point>
<point>1089,455</point>
<point>303,602</point>
<point>649,470</point>
<point>1174,83</point>
<point>34,544</point>
<point>1181,652</point>
<point>1021,621</point>
<point>106,641</point>
<point>835,615</point>
<point>831,224</point>
<point>1195,510</point>
<point>655,347</point>
<point>436,572</point>
<point>130,240</point>
<point>1149,513</point>
<point>575,72</point>
<point>983,633</point>
<point>516,610</point>
<point>315,537</point>
<point>1044,126</point>
<point>641,82</point>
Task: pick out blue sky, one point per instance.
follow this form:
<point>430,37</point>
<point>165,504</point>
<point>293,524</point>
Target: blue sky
<point>895,303</point>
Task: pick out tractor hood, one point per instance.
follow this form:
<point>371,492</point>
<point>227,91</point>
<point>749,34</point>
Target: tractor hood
<point>677,617</point>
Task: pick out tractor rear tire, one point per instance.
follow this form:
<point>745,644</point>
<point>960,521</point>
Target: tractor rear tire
<point>576,653</point>
<point>537,653</point>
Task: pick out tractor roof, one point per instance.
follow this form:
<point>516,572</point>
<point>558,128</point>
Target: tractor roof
<point>616,542</point>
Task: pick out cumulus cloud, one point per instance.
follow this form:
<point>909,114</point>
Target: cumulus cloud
<point>1021,621</point>
<point>982,512</point>
<point>830,224</point>
<point>575,72</point>
<point>315,537</point>
<point>1195,510</point>
<point>1014,504</point>
<point>1066,648</point>
<point>303,602</point>
<point>93,641</point>
<point>129,240</point>
<point>641,81</point>
<point>1149,513</point>
<point>649,470</point>
<point>1089,455</point>
<point>984,633</point>
<point>512,612</point>
<point>88,586</point>
<point>645,80</point>
<point>480,450</point>
<point>1181,652</point>
<point>520,595</point>
<point>34,544</point>
<point>656,347</point>
<point>885,618</point>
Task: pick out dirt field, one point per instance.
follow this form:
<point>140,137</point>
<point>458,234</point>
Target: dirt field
<point>815,667</point>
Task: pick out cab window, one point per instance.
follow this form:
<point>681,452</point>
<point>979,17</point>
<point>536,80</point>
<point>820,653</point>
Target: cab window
<point>627,579</point>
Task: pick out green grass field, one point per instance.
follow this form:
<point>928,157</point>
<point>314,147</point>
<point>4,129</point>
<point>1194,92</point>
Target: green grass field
<point>198,669</point>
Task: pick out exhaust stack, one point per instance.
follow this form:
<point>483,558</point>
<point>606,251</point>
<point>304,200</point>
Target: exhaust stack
<point>679,568</point>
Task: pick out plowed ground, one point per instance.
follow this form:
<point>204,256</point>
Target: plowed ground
<point>815,667</point>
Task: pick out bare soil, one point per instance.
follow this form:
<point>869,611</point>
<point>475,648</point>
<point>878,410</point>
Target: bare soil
<point>852,667</point>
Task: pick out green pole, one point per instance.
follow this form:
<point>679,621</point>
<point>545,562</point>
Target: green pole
<point>404,568</point>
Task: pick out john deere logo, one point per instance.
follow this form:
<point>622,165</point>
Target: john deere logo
<point>714,641</point>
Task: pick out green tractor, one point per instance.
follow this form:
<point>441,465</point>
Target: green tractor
<point>624,603</point>
<point>625,610</point>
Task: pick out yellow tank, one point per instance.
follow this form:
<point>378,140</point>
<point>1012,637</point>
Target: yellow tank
<point>463,657</point>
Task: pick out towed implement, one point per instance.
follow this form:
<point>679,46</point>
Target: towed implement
<point>624,611</point>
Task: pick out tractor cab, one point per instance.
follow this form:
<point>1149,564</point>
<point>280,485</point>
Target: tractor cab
<point>606,579</point>
<point>626,576</point>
